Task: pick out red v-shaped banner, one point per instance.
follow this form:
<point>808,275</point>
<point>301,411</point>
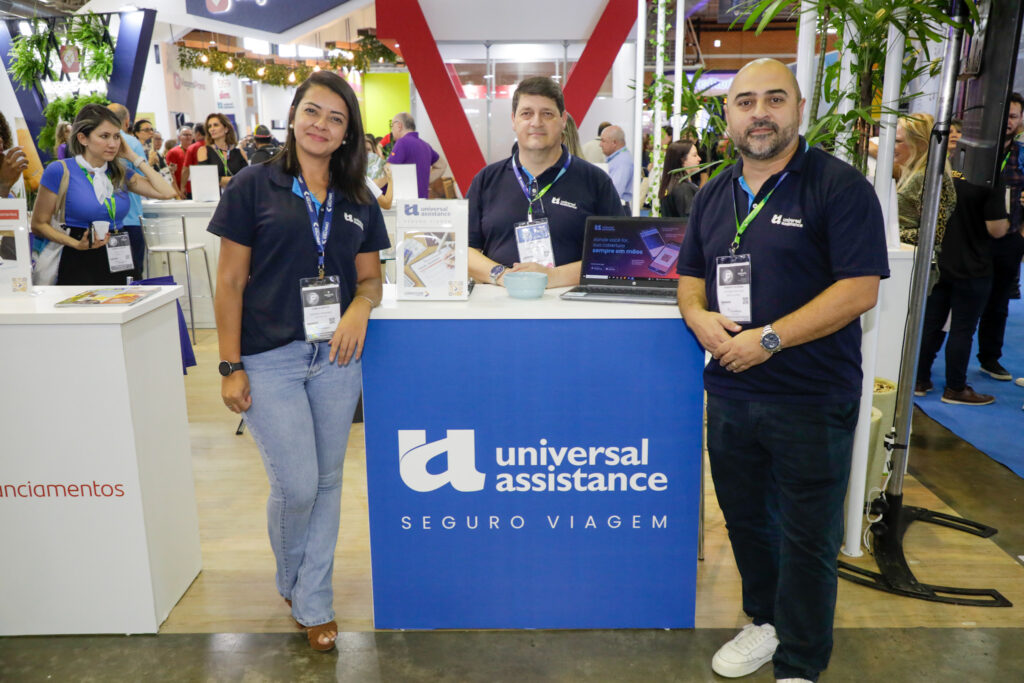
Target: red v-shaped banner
<point>403,22</point>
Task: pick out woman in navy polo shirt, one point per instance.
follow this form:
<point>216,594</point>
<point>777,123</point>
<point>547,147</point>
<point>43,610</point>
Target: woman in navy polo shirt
<point>300,237</point>
<point>97,192</point>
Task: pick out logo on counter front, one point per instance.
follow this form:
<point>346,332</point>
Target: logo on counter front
<point>415,455</point>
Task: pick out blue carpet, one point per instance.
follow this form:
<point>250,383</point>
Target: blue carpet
<point>995,429</point>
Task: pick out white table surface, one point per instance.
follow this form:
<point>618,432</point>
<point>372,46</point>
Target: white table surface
<point>489,302</point>
<point>37,307</point>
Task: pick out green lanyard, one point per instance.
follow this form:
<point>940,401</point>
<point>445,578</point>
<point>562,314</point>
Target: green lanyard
<point>110,202</point>
<point>754,210</point>
<point>223,160</point>
<point>522,184</point>
<point>1005,160</point>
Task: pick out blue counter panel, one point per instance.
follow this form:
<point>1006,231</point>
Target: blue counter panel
<point>533,473</point>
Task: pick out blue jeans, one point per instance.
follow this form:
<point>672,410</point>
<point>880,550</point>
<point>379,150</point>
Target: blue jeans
<point>780,473</point>
<point>300,417</point>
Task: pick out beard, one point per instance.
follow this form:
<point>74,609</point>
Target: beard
<point>768,146</point>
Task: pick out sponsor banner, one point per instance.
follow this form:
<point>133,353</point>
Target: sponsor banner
<point>533,473</point>
<point>273,16</point>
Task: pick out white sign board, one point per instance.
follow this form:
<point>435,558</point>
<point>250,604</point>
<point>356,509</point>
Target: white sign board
<point>15,249</point>
<point>430,249</point>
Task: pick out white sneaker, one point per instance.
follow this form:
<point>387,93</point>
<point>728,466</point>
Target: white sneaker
<point>751,649</point>
<point>792,680</point>
<point>1019,381</point>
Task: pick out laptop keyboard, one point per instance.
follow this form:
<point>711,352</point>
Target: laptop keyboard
<point>628,291</point>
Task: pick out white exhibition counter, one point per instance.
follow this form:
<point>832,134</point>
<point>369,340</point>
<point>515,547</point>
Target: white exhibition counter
<point>98,515</point>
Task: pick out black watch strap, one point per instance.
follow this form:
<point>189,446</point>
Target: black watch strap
<point>227,367</point>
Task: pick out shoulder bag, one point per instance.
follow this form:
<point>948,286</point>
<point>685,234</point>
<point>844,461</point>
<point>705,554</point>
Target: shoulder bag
<point>47,260</point>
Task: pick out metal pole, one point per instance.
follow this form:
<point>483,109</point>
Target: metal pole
<point>805,52</point>
<point>923,257</point>
<point>638,94</point>
<point>677,94</point>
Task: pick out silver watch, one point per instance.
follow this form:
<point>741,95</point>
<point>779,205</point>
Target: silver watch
<point>496,272</point>
<point>770,341</point>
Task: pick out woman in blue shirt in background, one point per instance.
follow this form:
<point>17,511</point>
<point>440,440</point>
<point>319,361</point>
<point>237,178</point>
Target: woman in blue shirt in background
<point>97,192</point>
<point>299,272</point>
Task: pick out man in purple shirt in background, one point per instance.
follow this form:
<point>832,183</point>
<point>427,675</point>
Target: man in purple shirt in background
<point>409,149</point>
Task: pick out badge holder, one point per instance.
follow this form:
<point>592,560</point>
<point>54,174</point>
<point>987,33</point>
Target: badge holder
<point>533,240</point>
<point>119,252</point>
<point>321,307</point>
<point>733,278</point>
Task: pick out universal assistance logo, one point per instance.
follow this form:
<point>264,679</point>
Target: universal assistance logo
<point>542,466</point>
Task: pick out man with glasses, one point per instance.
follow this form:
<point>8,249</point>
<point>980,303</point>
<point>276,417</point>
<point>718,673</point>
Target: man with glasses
<point>528,212</point>
<point>409,149</point>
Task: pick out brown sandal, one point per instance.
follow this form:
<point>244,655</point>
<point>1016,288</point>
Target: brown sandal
<point>313,633</point>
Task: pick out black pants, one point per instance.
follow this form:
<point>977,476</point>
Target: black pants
<point>1007,253</point>
<point>780,473</point>
<point>965,299</point>
<point>86,267</point>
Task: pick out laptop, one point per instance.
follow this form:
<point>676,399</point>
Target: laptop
<point>632,260</point>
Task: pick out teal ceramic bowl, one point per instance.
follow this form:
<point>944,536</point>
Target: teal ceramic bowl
<point>526,285</point>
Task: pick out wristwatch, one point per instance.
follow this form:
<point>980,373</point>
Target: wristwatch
<point>496,272</point>
<point>770,341</point>
<point>227,367</point>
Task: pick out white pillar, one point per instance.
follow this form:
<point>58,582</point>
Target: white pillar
<point>805,53</point>
<point>638,104</point>
<point>869,321</point>
<point>657,152</point>
<point>677,95</point>
<point>847,82</point>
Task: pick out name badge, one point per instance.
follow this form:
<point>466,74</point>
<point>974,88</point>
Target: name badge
<point>533,239</point>
<point>732,278</point>
<point>321,307</point>
<point>119,252</point>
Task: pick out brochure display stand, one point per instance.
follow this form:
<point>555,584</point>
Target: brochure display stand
<point>532,464</point>
<point>100,531</point>
<point>431,249</point>
<point>15,255</point>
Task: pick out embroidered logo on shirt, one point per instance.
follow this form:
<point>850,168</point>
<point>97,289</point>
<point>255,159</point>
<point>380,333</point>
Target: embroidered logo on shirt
<point>352,219</point>
<point>778,219</point>
<point>561,202</point>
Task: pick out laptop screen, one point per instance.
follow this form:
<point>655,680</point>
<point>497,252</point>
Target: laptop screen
<point>632,249</point>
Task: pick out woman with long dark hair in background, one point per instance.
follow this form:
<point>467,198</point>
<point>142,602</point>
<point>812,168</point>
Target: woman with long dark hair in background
<point>682,162</point>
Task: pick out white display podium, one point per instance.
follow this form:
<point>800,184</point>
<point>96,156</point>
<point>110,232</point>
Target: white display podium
<point>97,502</point>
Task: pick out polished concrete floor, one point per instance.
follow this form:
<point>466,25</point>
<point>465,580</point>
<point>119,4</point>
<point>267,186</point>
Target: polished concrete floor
<point>969,482</point>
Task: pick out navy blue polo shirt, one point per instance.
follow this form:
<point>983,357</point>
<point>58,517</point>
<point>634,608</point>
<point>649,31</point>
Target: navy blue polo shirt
<point>497,203</point>
<point>259,210</point>
<point>823,223</point>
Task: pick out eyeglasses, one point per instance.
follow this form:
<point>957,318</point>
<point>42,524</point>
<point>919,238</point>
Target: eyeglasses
<point>145,130</point>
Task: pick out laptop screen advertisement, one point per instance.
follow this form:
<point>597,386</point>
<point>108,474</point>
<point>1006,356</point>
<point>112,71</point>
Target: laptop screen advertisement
<point>630,249</point>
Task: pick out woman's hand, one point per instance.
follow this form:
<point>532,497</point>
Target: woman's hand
<point>234,389</point>
<point>347,342</point>
<point>225,180</point>
<point>85,245</point>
